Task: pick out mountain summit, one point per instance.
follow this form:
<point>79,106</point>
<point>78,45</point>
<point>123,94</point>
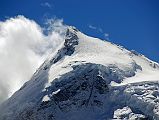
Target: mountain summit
<point>91,79</point>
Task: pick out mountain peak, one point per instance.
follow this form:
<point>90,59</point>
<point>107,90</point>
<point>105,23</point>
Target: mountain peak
<point>85,78</point>
<point>71,38</point>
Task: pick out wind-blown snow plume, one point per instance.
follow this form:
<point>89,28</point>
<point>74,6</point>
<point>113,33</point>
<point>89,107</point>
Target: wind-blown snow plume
<point>23,47</point>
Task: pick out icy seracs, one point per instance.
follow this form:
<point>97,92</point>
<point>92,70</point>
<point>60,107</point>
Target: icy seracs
<point>90,79</point>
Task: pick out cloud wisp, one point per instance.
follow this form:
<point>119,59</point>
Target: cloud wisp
<point>23,47</point>
<point>106,35</point>
<point>46,4</point>
<point>100,30</point>
<point>95,28</point>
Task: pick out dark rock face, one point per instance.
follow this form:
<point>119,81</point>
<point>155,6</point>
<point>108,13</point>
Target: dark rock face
<point>88,85</point>
<point>81,89</point>
<point>71,40</point>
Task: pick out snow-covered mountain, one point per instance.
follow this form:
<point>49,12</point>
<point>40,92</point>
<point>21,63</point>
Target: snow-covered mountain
<point>90,79</point>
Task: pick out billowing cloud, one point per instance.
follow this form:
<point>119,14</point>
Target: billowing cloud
<point>23,47</point>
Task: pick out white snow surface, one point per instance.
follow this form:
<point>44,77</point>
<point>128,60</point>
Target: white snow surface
<point>94,50</point>
<point>126,114</point>
<point>46,98</point>
<point>132,79</point>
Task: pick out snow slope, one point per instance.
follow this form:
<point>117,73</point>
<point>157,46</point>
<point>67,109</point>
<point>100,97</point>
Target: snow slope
<point>88,78</point>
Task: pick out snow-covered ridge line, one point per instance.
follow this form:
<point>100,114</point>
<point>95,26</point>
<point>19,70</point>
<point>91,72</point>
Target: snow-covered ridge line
<point>135,53</point>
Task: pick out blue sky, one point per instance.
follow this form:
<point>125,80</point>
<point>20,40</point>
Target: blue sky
<point>131,23</point>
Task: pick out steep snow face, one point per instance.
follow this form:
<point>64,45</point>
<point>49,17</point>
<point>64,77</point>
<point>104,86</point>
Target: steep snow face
<point>87,78</point>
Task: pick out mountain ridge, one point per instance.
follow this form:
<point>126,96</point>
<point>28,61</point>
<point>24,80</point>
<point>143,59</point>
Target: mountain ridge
<point>87,78</point>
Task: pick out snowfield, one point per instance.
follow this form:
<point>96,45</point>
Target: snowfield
<point>91,79</point>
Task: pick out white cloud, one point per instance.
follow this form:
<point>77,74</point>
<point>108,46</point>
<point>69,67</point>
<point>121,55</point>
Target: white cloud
<point>92,27</point>
<point>46,4</point>
<point>100,30</point>
<point>23,47</point>
<point>106,35</point>
<point>96,28</point>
